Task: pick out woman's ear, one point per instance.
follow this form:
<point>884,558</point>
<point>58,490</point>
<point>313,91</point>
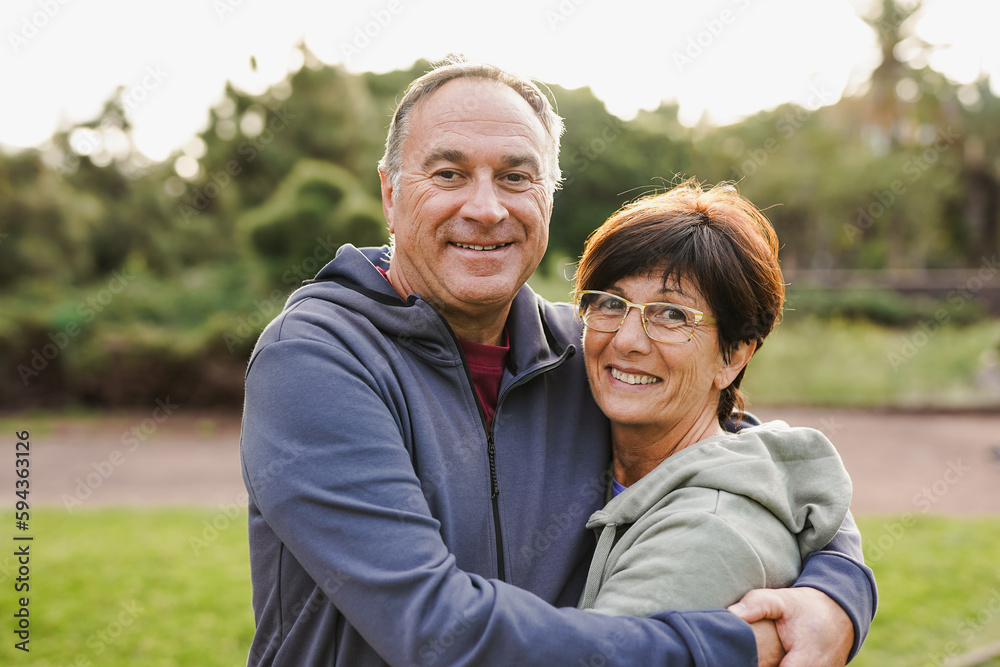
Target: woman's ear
<point>737,360</point>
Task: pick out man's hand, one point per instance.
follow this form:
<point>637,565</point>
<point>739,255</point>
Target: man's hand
<point>815,631</point>
<point>769,648</point>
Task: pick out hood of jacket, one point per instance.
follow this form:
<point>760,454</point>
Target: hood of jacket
<point>352,280</point>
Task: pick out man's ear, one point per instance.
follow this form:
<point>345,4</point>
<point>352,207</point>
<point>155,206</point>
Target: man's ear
<point>387,203</point>
<point>737,360</point>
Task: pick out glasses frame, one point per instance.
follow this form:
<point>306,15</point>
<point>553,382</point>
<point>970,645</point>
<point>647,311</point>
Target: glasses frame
<point>698,316</point>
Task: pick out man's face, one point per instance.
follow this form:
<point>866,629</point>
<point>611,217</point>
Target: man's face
<point>471,213</point>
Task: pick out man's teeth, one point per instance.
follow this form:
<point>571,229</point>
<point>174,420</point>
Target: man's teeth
<point>481,247</point>
<point>629,378</point>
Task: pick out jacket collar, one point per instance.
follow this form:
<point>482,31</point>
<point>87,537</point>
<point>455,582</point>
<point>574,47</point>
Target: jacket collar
<point>540,334</point>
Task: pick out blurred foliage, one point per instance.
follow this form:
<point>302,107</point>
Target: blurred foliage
<point>879,306</point>
<point>316,209</point>
<point>903,175</point>
<point>851,363</point>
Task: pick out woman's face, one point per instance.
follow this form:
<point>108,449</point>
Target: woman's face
<point>639,382</point>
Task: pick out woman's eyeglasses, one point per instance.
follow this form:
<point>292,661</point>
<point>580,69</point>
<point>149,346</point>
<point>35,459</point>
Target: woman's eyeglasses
<point>662,322</point>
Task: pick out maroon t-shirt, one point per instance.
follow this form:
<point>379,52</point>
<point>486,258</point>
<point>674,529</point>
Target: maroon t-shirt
<point>486,364</point>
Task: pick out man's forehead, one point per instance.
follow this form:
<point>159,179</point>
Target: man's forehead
<point>477,107</point>
<point>467,94</point>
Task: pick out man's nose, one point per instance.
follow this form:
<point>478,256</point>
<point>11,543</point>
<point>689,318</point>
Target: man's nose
<point>483,205</point>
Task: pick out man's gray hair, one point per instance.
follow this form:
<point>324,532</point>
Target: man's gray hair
<point>455,67</point>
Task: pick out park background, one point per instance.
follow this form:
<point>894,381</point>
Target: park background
<point>135,277</point>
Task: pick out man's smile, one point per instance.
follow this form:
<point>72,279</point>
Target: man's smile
<point>469,246</point>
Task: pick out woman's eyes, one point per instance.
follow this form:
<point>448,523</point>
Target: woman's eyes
<point>612,305</point>
<point>667,314</point>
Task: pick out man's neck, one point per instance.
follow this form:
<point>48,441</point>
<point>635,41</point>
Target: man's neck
<point>478,331</point>
<point>485,327</point>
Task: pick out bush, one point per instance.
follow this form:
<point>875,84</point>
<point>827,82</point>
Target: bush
<point>135,364</point>
<point>879,306</point>
<point>316,209</point>
<point>188,338</point>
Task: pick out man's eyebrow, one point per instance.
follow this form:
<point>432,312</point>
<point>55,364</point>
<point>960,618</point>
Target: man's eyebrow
<point>455,156</point>
<point>452,155</point>
<point>529,161</point>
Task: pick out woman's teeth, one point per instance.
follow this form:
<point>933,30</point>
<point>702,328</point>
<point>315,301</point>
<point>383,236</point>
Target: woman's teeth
<point>629,378</point>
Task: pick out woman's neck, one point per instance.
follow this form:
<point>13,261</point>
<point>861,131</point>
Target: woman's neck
<point>639,449</point>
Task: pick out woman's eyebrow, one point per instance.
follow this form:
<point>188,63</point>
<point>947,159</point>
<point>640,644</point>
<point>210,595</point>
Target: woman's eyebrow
<point>675,289</point>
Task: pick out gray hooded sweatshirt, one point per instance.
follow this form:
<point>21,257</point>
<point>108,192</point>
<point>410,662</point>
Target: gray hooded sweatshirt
<point>727,515</point>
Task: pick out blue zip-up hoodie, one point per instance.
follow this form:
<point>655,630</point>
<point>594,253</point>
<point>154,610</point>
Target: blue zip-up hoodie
<point>387,526</point>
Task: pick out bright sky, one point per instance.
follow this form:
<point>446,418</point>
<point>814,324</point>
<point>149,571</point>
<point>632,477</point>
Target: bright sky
<point>60,60</point>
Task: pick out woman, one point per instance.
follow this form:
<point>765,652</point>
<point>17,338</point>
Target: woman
<point>676,292</point>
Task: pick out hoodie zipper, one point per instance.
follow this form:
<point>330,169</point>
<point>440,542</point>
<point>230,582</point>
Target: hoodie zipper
<point>491,452</point>
<point>491,449</point>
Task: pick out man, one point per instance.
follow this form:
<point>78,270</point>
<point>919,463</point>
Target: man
<point>419,443</point>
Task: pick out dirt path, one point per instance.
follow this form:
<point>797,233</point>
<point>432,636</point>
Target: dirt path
<point>912,462</point>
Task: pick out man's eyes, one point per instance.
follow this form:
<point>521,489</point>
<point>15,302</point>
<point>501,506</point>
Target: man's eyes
<point>519,178</point>
<point>514,179</point>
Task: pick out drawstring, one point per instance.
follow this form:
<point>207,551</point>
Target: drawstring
<point>595,578</point>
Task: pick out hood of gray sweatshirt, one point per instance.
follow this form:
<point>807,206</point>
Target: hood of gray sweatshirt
<point>770,494</point>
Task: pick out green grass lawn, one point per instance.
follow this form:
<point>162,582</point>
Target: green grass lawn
<point>127,588</point>
<point>939,589</point>
<point>157,588</point>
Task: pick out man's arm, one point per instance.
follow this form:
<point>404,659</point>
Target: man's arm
<point>336,484</point>
<point>825,618</point>
<point>721,565</point>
